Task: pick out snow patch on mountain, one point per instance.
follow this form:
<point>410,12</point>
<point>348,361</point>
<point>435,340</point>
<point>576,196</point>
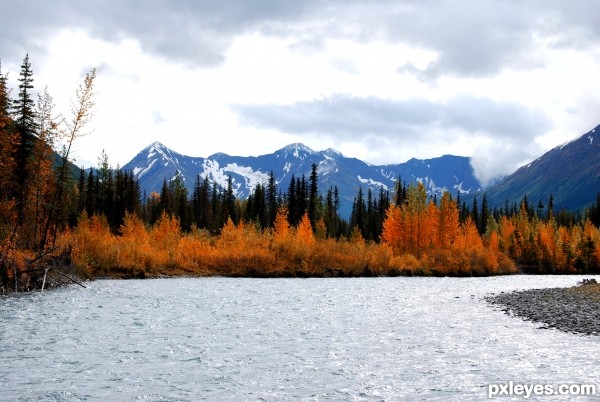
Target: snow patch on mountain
<point>251,176</point>
<point>141,171</point>
<point>371,182</point>
<point>157,162</point>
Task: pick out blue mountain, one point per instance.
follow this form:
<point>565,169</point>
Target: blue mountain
<point>157,163</point>
<point>570,173</point>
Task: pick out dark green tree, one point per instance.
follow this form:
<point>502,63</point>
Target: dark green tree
<point>313,196</point>
<point>272,202</point>
<point>25,125</point>
<point>358,217</point>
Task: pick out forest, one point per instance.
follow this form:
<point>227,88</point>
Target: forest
<point>99,221</point>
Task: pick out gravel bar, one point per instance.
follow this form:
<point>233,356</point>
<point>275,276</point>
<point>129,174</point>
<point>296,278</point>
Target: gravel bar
<point>575,310</point>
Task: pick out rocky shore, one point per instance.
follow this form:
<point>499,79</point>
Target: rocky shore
<point>575,310</point>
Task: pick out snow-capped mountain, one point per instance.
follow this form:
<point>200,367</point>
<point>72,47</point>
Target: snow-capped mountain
<point>570,173</point>
<point>156,163</point>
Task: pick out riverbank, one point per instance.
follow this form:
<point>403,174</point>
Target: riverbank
<point>575,309</point>
<point>44,272</point>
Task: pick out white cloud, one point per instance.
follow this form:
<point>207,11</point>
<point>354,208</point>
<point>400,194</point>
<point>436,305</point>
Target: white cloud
<point>499,81</point>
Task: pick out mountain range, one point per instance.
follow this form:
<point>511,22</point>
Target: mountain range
<point>157,163</point>
<point>570,173</point>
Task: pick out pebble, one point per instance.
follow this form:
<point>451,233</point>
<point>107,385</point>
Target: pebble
<point>561,308</point>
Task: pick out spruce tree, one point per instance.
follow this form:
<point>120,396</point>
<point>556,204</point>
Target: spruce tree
<point>25,125</point>
<point>485,215</point>
<point>272,204</point>
<point>313,193</point>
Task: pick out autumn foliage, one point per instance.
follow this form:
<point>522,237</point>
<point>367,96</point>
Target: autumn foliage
<point>210,232</point>
<point>418,238</point>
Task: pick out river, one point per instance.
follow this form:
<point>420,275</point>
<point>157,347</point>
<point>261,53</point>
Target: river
<point>238,339</point>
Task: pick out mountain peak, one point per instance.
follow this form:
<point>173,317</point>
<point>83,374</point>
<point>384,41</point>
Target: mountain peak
<point>155,145</point>
<point>297,150</point>
<point>157,163</point>
<point>333,153</point>
<point>297,146</point>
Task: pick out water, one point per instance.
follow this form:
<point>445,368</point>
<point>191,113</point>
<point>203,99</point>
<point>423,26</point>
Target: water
<point>281,339</point>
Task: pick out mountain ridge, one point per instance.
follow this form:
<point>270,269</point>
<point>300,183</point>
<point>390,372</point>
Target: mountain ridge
<point>157,162</point>
<point>570,173</point>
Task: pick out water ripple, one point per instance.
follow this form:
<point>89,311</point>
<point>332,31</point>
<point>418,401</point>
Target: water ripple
<point>280,339</point>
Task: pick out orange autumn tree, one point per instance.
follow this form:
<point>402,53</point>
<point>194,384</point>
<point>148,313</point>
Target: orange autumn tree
<point>164,237</point>
<point>304,232</point>
<point>135,251</point>
<point>448,222</point>
<point>391,235</point>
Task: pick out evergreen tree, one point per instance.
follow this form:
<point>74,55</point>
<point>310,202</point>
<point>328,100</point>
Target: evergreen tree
<point>216,210</point>
<point>81,191</point>
<point>485,215</point>
<point>401,194</point>
<point>292,203</point>
<point>371,220</point>
<point>255,205</point>
<point>358,217</point>
<point>313,196</point>
<point>272,204</point>
<point>550,215</point>
<point>475,213</point>
<point>165,202</point>
<point>201,205</point>
<point>302,193</point>
<point>229,207</point>
<point>91,193</point>
<point>25,124</point>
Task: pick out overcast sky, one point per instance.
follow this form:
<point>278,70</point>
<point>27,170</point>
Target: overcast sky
<point>383,81</point>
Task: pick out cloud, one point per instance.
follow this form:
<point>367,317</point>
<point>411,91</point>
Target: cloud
<point>497,135</point>
<point>471,38</point>
<point>194,33</point>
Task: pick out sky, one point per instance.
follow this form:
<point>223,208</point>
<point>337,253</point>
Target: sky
<point>384,81</point>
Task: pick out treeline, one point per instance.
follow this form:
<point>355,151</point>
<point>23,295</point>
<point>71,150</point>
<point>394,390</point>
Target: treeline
<point>413,233</point>
<point>114,192</point>
<point>110,228</point>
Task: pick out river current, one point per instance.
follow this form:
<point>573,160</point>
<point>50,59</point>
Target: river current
<point>281,339</point>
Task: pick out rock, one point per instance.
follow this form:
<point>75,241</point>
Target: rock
<point>566,309</point>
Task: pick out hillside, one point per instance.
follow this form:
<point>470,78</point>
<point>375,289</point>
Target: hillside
<point>570,173</point>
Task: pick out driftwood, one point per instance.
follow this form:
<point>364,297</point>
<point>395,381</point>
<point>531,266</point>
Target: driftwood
<point>45,262</point>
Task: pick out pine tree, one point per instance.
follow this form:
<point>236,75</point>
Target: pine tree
<point>358,217</point>
<point>313,193</point>
<point>292,203</point>
<point>485,215</point>
<point>91,194</point>
<point>272,204</point>
<point>229,203</point>
<point>81,191</point>
<point>25,124</point>
<point>475,213</point>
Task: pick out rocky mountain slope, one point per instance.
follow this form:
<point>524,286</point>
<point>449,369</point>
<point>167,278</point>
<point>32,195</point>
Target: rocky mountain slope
<point>157,162</point>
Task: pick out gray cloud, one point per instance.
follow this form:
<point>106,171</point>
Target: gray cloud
<point>352,116</point>
<point>507,129</point>
<point>472,37</point>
